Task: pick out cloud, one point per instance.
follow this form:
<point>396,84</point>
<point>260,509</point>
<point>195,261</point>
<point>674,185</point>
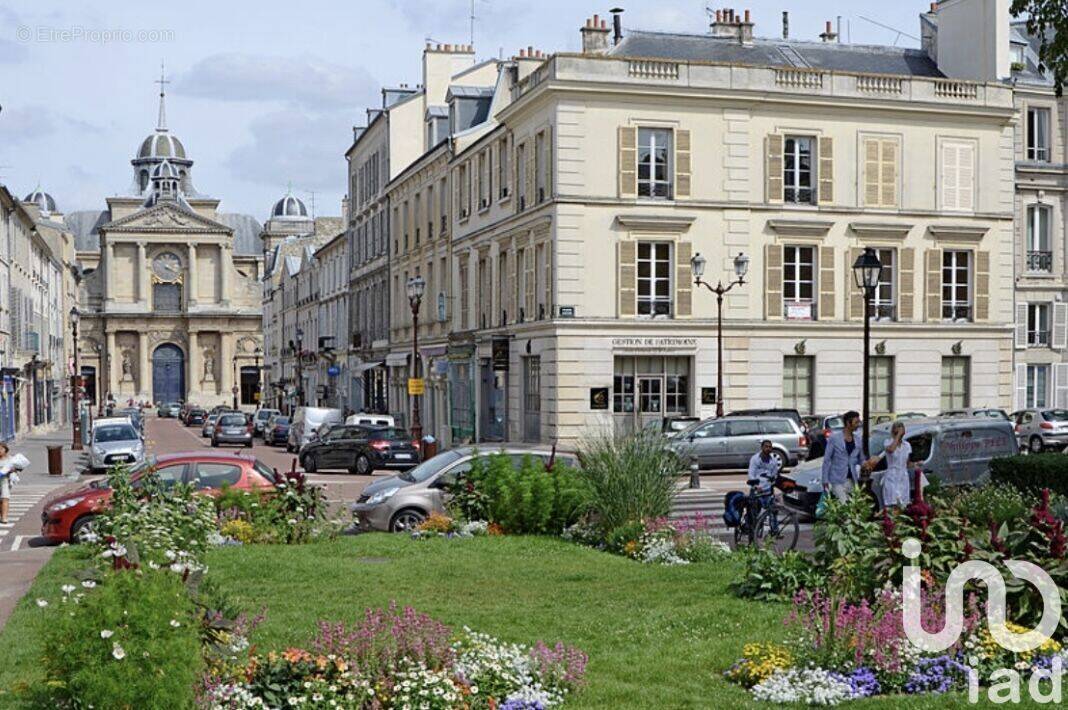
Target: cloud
<point>31,122</point>
<point>292,145</point>
<point>305,80</point>
<point>450,20</point>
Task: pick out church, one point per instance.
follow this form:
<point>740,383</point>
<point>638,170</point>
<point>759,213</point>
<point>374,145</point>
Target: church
<point>170,297</point>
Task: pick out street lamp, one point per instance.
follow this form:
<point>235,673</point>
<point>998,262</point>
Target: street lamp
<point>76,386</point>
<point>234,388</point>
<point>300,368</point>
<point>866,272</point>
<point>741,266</point>
<point>416,286</point>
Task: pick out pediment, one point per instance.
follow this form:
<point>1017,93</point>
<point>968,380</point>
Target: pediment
<point>165,217</point>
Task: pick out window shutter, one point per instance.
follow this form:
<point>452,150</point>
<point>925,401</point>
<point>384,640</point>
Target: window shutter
<point>628,161</point>
<point>1060,327</point>
<point>856,295</point>
<point>1021,386</point>
<point>888,174</point>
<point>682,164</point>
<point>966,177</point>
<point>773,280</point>
<point>773,169</point>
<point>628,278</point>
<point>1060,384</point>
<point>549,163</point>
<point>513,293</point>
<point>934,284</point>
<point>825,193</point>
<point>906,276</point>
<point>949,179</point>
<point>871,172</point>
<point>532,189</point>
<point>826,307</point>
<point>1021,326</point>
<point>549,278</point>
<point>982,285</point>
<point>683,280</point>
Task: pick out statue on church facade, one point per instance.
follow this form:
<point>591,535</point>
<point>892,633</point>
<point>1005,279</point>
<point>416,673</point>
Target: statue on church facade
<point>209,365</point>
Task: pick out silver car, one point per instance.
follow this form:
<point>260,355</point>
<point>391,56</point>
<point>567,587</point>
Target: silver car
<point>400,503</point>
<point>232,428</point>
<point>1040,429</point>
<point>115,441</point>
<point>731,441</point>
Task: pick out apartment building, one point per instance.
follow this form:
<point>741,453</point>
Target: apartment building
<point>332,264</point>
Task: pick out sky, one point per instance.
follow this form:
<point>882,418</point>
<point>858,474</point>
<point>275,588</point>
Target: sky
<point>264,94</point>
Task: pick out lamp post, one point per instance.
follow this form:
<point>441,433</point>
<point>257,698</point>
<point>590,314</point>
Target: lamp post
<point>741,266</point>
<point>866,271</point>
<point>76,386</point>
<point>416,286</point>
<point>234,389</point>
<point>300,367</point>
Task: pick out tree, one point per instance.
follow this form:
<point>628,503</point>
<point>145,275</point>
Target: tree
<point>1048,20</point>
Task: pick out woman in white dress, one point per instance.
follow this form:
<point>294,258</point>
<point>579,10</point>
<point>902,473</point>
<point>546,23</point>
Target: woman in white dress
<point>898,454</point>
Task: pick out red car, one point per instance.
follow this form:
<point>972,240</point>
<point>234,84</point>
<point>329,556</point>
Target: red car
<point>69,517</point>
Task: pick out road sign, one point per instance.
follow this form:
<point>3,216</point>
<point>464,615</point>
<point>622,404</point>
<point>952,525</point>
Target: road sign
<point>333,370</point>
<point>416,386</point>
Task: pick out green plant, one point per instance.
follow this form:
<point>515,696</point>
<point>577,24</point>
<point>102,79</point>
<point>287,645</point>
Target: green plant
<point>772,577</point>
<point>240,530</point>
<point>997,502</point>
<point>631,478</point>
<point>623,540</point>
<point>131,643</point>
<point>1032,473</point>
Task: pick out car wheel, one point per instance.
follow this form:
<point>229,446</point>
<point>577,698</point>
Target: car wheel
<point>363,465</point>
<point>289,448</point>
<point>406,520</point>
<point>311,463</point>
<point>779,457</point>
<point>1037,446</point>
<point>82,529</point>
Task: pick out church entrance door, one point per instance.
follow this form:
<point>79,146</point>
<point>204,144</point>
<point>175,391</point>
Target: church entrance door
<point>168,374</point>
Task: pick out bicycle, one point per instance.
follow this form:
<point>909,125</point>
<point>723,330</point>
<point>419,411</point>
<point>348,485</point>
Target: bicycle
<point>769,524</point>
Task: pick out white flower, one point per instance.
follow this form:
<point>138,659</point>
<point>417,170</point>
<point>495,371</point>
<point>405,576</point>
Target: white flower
<point>175,623</point>
<point>88,584</point>
<point>117,651</point>
<point>42,603</point>
<point>292,521</point>
<point>106,633</point>
<point>169,554</point>
<point>68,588</point>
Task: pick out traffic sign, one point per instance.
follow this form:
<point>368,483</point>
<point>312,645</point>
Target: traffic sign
<point>333,370</point>
<point>416,386</point>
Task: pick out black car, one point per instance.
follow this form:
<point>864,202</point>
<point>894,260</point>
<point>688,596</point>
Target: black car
<point>276,430</point>
<point>195,417</point>
<point>360,450</point>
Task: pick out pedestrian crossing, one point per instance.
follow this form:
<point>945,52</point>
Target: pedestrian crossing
<point>707,502</point>
<point>24,498</point>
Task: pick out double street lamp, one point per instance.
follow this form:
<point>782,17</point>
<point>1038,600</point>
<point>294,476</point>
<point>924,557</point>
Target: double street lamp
<point>741,266</point>
<point>866,272</point>
<point>76,386</point>
<point>416,287</point>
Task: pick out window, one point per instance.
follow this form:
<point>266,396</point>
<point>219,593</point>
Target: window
<point>503,178</point>
<point>881,384</point>
<point>799,282</point>
<point>166,298</point>
<point>651,385</point>
<point>1038,325</point>
<point>464,296</point>
<point>1038,134</point>
<point>465,192</point>
<point>532,384</point>
<point>1039,244</point>
<point>797,389</point>
<point>957,175</point>
<point>1037,386</point>
<point>797,170</point>
<point>880,172</point>
<point>443,209</point>
<point>956,372</point>
<point>520,175</point>
<point>417,216</point>
<point>430,212</point>
<point>502,287</point>
<point>677,388</point>
<point>622,392</point>
<point>485,295</point>
<point>654,168</point>
<point>956,285</point>
<point>216,475</point>
<point>528,283</point>
<point>483,181</point>
<point>541,166</point>
<point>883,305</point>
<point>654,279</point>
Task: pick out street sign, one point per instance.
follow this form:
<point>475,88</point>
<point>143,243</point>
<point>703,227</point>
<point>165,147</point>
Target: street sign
<point>333,370</point>
<point>416,386</point>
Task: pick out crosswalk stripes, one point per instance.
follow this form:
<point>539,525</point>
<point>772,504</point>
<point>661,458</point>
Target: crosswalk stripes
<point>24,498</point>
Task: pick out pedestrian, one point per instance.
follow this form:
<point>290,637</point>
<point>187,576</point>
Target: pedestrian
<point>843,458</point>
<point>898,455</point>
<point>9,465</point>
<point>763,473</point>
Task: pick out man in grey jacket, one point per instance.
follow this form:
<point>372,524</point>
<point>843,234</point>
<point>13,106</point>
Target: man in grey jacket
<point>843,458</point>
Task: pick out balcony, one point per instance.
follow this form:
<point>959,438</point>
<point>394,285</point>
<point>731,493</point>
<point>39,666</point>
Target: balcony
<point>1039,338</point>
<point>956,312</point>
<point>1040,261</point>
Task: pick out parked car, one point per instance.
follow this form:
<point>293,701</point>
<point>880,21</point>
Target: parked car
<point>771,412</point>
<point>977,412</point>
<point>731,441</point>
<point>371,420</point>
<point>819,428</point>
<point>195,417</point>
<point>401,502</point>
<point>259,420</point>
<point>115,440</point>
<point>169,409</point>
<point>361,450</point>
<point>276,431</point>
<point>209,425</point>
<point>1040,429</point>
<point>69,517</point>
<point>137,418</point>
<point>956,450</point>
<point>306,421</point>
<point>672,425</point>
<point>232,428</point>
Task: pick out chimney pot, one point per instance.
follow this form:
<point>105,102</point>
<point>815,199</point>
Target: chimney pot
<point>530,50</point>
<point>934,7</point>
<point>785,24</point>
<point>828,27</point>
<point>719,15</point>
<point>522,52</point>
<point>604,24</point>
<point>596,19</point>
<point>747,16</point>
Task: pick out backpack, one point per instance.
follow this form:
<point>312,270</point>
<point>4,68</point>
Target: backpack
<point>733,508</point>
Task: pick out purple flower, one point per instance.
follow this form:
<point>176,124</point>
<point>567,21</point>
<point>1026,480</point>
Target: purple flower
<point>936,675</point>
<point>862,682</point>
<point>521,704</point>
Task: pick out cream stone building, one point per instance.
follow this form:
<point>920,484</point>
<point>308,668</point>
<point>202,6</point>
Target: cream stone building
<point>171,297</point>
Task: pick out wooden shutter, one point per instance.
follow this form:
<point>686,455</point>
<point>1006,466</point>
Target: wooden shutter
<point>856,295</point>
<point>948,176</point>
<point>966,177</point>
<point>1021,386</point>
<point>628,278</point>
<point>871,172</point>
<point>628,161</point>
<point>683,165</point>
<point>1021,326</point>
<point>532,189</point>
<point>934,284</point>
<point>549,278</point>
<point>1060,384</point>
<point>549,163</point>
<point>773,280</point>
<point>906,283</point>
<point>888,173</point>
<point>826,285</point>
<point>982,285</point>
<point>773,169</point>
<point>513,293</point>
<point>683,280</point>
<point>825,193</point>
<point>1060,327</point>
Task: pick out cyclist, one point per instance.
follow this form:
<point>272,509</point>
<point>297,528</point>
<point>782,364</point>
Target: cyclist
<point>763,472</point>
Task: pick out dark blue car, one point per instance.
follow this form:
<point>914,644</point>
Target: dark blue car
<point>276,431</point>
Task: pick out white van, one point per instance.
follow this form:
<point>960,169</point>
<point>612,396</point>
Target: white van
<point>306,422</point>
<point>370,420</point>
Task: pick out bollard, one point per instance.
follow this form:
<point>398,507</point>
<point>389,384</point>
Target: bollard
<point>55,460</point>
<point>695,474</point>
<point>429,447</point>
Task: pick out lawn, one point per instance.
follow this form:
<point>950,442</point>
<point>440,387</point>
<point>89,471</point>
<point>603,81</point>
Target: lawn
<point>657,637</point>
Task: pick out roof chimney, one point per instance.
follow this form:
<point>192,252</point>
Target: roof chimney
<point>595,36</point>
<point>828,35</point>
<point>617,24</point>
<point>729,25</point>
<point>785,24</point>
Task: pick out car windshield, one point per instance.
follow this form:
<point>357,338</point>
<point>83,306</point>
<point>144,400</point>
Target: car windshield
<point>834,423</point>
<point>1055,415</point>
<point>264,414</point>
<point>120,432</point>
<point>430,467</point>
<point>233,420</point>
<point>680,424</point>
<point>389,433</point>
<point>281,420</point>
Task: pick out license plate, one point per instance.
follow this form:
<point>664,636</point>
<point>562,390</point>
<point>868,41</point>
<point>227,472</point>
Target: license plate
<point>235,432</point>
<point>402,456</point>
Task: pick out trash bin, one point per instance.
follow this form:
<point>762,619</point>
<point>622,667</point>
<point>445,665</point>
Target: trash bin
<point>430,447</point>
<point>55,460</point>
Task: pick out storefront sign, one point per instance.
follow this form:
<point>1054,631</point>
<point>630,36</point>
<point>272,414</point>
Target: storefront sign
<point>708,395</point>
<point>654,343</point>
<point>416,386</point>
<point>500,354</point>
<point>598,398</point>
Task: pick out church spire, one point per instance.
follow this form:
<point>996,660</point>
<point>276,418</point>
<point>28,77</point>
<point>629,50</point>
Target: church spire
<point>161,122</point>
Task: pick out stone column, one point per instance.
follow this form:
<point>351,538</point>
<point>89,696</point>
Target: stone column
<point>195,373</point>
<point>191,298</point>
<point>226,362</point>
<point>112,356</point>
<point>143,372</point>
<point>225,264</point>
<point>109,261</point>
<point>142,277</point>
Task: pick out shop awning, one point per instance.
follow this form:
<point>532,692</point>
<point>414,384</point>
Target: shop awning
<point>396,359</point>
<point>365,366</point>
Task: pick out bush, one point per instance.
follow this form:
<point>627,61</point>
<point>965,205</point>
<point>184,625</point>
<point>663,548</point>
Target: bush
<point>631,478</point>
<point>1032,473</point>
<point>997,502</point>
<point>295,512</point>
<point>131,643</point>
<point>772,577</point>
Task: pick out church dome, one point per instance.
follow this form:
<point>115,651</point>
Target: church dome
<point>161,145</point>
<point>43,200</point>
<point>165,171</point>
<point>289,206</point>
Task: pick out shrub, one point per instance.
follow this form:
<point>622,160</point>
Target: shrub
<point>1032,473</point>
<point>240,530</point>
<point>996,502</point>
<point>631,478</point>
<point>131,643</point>
<point>772,577</point>
<point>437,523</point>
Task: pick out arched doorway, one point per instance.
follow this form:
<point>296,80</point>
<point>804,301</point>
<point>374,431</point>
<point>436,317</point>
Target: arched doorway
<point>168,373</point>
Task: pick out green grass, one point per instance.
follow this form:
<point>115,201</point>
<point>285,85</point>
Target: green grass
<point>657,637</point>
